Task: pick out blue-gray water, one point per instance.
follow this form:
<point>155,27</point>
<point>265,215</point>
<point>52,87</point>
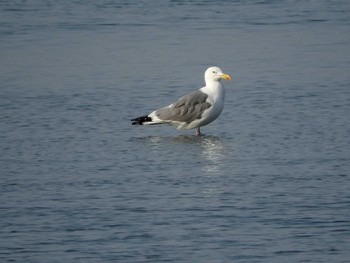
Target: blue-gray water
<point>269,181</point>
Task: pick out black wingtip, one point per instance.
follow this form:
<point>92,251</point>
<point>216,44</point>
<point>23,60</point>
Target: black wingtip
<point>141,120</point>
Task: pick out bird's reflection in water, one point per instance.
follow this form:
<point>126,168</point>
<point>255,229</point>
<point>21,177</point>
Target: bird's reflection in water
<point>212,151</point>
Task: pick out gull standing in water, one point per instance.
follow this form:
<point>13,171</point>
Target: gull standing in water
<point>194,110</point>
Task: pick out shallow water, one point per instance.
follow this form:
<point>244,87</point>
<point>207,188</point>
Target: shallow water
<point>269,180</point>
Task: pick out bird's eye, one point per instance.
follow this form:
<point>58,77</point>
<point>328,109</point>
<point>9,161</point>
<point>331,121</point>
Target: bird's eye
<point>214,71</point>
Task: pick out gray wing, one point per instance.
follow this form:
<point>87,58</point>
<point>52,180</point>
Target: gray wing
<point>187,109</point>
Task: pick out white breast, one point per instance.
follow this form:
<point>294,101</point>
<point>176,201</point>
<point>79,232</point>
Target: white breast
<point>216,97</point>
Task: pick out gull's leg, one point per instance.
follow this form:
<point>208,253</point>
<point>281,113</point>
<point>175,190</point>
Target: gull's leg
<point>198,132</point>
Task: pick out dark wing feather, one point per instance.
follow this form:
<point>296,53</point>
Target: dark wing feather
<point>187,109</point>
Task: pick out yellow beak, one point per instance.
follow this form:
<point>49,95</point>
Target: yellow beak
<point>225,76</point>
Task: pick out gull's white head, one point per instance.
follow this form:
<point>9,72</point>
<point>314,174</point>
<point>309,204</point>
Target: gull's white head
<point>215,74</point>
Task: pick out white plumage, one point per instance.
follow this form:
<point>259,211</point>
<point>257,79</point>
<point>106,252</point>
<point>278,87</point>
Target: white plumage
<point>195,109</point>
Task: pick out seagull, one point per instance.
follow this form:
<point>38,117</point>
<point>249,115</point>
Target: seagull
<point>193,110</point>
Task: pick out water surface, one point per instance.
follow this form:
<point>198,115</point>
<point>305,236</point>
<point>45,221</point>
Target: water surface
<point>269,180</point>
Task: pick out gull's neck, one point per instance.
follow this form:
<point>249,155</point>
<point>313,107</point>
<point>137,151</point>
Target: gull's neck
<point>215,90</point>
<point>212,85</point>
